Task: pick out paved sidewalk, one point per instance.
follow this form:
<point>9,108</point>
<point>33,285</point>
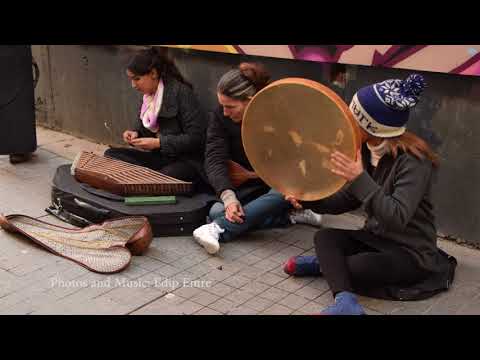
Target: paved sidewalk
<point>176,276</point>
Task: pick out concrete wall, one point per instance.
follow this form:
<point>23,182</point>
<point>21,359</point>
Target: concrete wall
<point>83,90</point>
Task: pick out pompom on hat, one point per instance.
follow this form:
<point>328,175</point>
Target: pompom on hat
<point>382,109</point>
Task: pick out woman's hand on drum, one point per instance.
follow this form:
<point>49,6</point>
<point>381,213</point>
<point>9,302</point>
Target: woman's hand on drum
<point>146,143</point>
<point>129,135</point>
<point>345,167</point>
<point>294,202</point>
<point>234,213</point>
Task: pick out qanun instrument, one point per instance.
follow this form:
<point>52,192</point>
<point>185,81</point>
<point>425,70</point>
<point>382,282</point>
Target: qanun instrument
<point>125,179</point>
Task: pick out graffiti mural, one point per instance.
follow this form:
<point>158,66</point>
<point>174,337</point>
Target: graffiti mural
<point>454,59</point>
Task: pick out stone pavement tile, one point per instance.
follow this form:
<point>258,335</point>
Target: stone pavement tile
<point>293,284</point>
<point>274,294</point>
<point>311,308</point>
<point>41,278</point>
<point>234,267</point>
<point>198,254</point>
<point>467,269</point>
<point>293,301</point>
<point>90,292</point>
<point>167,271</point>
<point>70,147</point>
<point>167,257</point>
<point>165,306</point>
<point>287,253</point>
<point>204,298</point>
<point>181,279</point>
<point>280,231</point>
<point>200,269</point>
<point>219,275</point>
<point>263,252</point>
<point>30,265</point>
<point>242,310</point>
<point>270,279</point>
<point>207,311</point>
<point>28,305</point>
<point>47,136</point>
<point>300,232</point>
<point>238,297</point>
<point>236,281</point>
<point>277,309</point>
<point>251,272</point>
<point>451,302</point>
<point>214,262</point>
<point>134,272</point>
<point>258,304</point>
<point>382,306</point>
<point>278,271</point>
<point>305,244</point>
<point>319,283</point>
<point>268,264</point>
<point>90,307</point>
<point>255,287</point>
<point>237,246</point>
<point>132,297</point>
<point>274,246</point>
<point>472,308</point>
<point>309,292</point>
<point>18,297</point>
<point>187,292</point>
<point>249,259</point>
<point>147,263</point>
<point>369,311</point>
<point>8,283</point>
<point>326,299</point>
<point>222,305</point>
<point>220,289</point>
<point>228,255</point>
<point>184,263</point>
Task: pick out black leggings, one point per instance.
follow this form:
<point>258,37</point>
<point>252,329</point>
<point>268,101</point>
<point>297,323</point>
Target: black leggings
<point>178,169</point>
<point>348,264</point>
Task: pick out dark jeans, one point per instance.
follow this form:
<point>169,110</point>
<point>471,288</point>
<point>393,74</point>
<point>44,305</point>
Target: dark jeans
<point>348,264</point>
<point>178,169</point>
<point>268,211</point>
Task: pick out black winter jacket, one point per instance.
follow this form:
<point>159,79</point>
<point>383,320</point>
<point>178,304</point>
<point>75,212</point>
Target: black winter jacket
<point>224,142</point>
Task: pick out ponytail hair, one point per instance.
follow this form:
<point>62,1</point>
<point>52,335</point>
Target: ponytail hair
<point>244,82</point>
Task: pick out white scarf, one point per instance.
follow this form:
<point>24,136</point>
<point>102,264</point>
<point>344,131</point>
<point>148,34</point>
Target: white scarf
<point>377,152</point>
<point>151,107</point>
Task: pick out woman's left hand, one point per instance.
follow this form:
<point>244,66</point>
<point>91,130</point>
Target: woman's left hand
<point>146,143</point>
<point>345,167</point>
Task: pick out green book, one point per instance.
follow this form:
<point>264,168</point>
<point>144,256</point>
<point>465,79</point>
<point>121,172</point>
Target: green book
<point>150,200</point>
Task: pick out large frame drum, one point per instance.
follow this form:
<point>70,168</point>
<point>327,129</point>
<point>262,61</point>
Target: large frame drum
<point>289,130</point>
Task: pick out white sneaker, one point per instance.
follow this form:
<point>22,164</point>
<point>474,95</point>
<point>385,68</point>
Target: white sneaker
<point>208,236</point>
<point>305,217</point>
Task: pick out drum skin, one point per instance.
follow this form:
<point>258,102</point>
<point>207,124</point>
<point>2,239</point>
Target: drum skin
<point>289,130</point>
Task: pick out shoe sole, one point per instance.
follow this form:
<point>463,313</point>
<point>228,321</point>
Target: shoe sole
<point>211,249</point>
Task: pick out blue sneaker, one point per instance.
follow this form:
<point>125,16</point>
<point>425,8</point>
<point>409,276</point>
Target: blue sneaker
<point>302,266</point>
<point>346,303</point>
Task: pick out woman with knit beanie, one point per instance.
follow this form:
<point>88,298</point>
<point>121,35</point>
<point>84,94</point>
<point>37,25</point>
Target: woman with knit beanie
<point>391,178</point>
